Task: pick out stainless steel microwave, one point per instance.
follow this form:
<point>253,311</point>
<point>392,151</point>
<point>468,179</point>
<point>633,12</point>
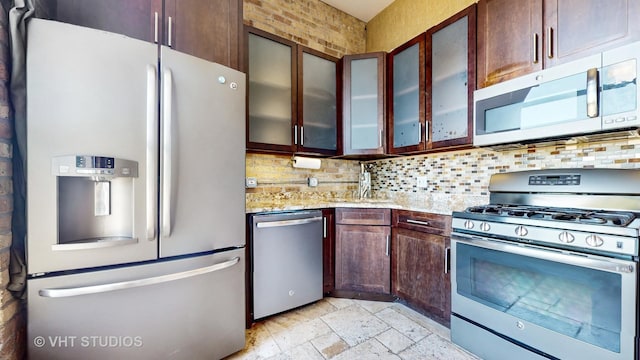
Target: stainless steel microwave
<point>596,94</point>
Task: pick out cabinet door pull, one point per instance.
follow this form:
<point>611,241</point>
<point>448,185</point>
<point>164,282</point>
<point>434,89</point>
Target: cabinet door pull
<point>169,21</point>
<point>155,27</point>
<point>301,135</point>
<point>386,251</point>
<point>418,222</point>
<point>550,42</point>
<point>426,131</point>
<point>419,132</point>
<point>324,227</point>
<point>535,48</point>
<point>447,256</point>
<point>380,139</point>
<point>295,134</point>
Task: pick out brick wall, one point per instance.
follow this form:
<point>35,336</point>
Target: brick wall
<point>311,23</point>
<point>12,313</point>
<point>280,184</point>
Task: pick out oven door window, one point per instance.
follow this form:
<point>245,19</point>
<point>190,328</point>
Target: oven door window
<point>579,302</point>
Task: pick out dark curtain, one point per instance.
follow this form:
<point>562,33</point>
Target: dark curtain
<point>20,12</point>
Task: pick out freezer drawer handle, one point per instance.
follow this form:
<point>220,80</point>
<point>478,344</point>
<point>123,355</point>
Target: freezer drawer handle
<point>96,289</point>
<point>268,224</point>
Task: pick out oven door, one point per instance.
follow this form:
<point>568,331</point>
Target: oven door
<point>561,304</point>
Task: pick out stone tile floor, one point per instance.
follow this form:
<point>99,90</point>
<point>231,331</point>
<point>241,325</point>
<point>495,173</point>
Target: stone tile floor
<point>345,329</point>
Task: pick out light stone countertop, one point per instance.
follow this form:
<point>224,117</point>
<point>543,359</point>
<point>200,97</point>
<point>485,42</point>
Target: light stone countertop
<point>443,204</point>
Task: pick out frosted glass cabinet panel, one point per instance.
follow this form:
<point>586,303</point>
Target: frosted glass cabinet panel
<point>449,86</point>
<point>451,60</point>
<point>317,102</point>
<point>364,103</point>
<point>271,92</point>
<point>293,96</point>
<point>406,67</point>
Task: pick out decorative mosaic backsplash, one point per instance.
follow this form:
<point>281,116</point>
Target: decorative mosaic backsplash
<point>461,178</point>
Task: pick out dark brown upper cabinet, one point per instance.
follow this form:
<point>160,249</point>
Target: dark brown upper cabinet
<point>319,101</point>
<point>208,29</point>
<point>520,37</point>
<point>272,88</point>
<point>140,19</point>
<point>509,39</point>
<point>431,84</point>
<point>406,67</point>
<point>293,96</point>
<point>451,80</point>
<point>364,107</point>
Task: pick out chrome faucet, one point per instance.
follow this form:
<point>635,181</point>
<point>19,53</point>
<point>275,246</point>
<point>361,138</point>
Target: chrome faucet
<point>364,183</point>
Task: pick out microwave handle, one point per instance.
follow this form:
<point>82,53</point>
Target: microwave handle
<point>592,93</point>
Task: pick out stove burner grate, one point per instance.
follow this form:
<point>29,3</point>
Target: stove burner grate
<point>592,217</point>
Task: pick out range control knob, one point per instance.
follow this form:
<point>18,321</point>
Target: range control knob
<point>566,237</point>
<point>468,224</point>
<point>485,226</point>
<point>521,231</point>
<point>594,240</point>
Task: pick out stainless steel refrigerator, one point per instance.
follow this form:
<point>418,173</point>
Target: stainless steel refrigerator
<point>135,199</point>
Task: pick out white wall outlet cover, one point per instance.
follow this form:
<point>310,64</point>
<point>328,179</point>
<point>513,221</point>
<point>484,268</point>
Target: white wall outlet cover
<point>251,182</point>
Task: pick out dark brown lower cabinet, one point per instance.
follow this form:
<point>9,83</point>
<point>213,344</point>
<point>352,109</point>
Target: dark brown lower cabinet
<point>363,262</point>
<point>420,261</point>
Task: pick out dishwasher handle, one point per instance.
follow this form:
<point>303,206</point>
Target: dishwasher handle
<point>281,223</point>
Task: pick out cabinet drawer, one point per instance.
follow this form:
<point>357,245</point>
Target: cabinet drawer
<point>360,216</point>
<point>424,222</point>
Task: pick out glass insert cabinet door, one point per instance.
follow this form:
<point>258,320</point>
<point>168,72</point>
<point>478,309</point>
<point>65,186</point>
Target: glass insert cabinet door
<point>449,87</point>
<point>407,100</point>
<point>364,103</point>
<point>451,80</point>
<point>319,110</point>
<point>271,91</point>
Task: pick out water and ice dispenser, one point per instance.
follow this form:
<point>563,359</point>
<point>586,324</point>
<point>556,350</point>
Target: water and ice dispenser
<point>95,200</point>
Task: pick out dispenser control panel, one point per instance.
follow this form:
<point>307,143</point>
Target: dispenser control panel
<point>97,165</point>
<point>96,162</point>
<point>89,165</point>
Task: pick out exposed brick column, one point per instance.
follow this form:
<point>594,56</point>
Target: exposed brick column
<point>12,311</point>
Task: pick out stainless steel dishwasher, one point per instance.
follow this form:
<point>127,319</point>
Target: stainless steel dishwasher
<point>286,260</point>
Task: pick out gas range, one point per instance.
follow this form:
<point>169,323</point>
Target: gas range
<point>600,210</point>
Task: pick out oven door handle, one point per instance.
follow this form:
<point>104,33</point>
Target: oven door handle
<point>610,265</point>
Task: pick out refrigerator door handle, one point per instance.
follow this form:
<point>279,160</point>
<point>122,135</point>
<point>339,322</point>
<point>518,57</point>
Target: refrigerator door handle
<point>152,145</point>
<point>102,288</point>
<point>166,153</point>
